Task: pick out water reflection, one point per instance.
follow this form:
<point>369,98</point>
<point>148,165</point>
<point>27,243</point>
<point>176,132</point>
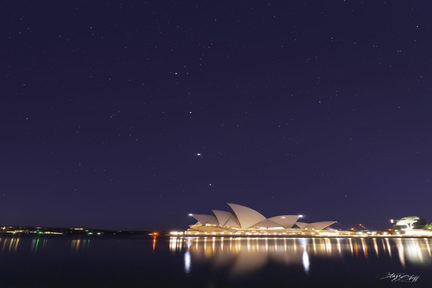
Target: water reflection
<point>187,261</point>
<point>243,254</point>
<point>305,260</point>
<point>9,244</point>
<point>78,244</point>
<point>12,244</point>
<point>37,244</point>
<point>417,251</point>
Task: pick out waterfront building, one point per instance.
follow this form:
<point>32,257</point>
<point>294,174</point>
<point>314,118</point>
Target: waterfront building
<point>247,221</point>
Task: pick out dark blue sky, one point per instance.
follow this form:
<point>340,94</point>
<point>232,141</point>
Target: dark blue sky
<point>321,108</point>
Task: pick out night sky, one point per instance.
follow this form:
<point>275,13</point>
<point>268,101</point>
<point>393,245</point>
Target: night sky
<point>132,114</point>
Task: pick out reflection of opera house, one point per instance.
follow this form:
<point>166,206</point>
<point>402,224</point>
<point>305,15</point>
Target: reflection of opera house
<point>246,221</point>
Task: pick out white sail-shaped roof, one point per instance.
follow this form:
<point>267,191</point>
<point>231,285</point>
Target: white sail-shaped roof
<point>246,216</point>
<point>301,224</point>
<point>205,219</point>
<point>226,218</point>
<point>266,223</point>
<point>286,221</point>
<point>315,225</point>
<point>321,225</point>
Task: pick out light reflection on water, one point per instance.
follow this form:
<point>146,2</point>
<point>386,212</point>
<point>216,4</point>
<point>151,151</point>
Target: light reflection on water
<point>211,262</point>
<point>244,254</point>
<point>12,244</point>
<point>78,244</point>
<point>9,244</point>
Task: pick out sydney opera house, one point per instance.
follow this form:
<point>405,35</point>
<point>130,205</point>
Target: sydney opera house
<point>246,221</point>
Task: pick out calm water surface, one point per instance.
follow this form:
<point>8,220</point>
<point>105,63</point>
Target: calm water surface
<point>140,261</point>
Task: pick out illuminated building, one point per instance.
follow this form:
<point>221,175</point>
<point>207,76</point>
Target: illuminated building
<point>315,225</point>
<point>245,220</point>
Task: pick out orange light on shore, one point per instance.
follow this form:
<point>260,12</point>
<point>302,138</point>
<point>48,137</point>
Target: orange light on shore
<point>154,234</point>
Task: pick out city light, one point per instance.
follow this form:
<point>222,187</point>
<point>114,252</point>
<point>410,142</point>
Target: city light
<point>245,221</point>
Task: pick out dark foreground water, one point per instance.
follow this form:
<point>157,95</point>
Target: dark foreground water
<point>214,262</point>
